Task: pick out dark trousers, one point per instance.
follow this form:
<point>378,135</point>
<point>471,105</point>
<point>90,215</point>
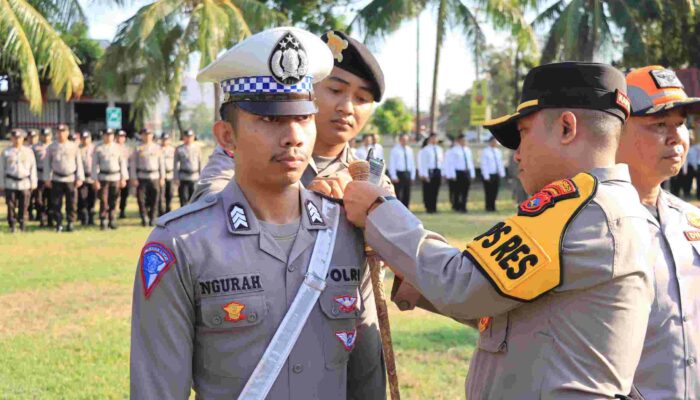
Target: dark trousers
<point>403,187</point>
<point>491,191</point>
<point>452,190</point>
<point>123,196</point>
<point>147,196</point>
<point>184,192</point>
<point>166,198</point>
<point>59,191</point>
<point>462,185</point>
<point>109,191</point>
<point>41,198</point>
<point>17,206</point>
<point>431,188</point>
<point>33,211</point>
<point>86,203</point>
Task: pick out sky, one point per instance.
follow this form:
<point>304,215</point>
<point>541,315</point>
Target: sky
<point>396,53</point>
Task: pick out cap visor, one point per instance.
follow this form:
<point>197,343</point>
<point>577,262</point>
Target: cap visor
<point>691,104</point>
<point>279,108</point>
<point>505,129</point>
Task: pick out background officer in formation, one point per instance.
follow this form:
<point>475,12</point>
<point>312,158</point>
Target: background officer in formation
<point>202,318</point>
<point>18,178</point>
<point>188,166</point>
<point>86,193</point>
<point>32,140</point>
<point>402,169</point>
<point>147,172</point>
<point>126,153</point>
<point>110,174</point>
<point>654,143</point>
<point>43,192</point>
<point>459,168</point>
<point>561,294</point>
<point>63,174</point>
<point>492,170</point>
<point>430,159</point>
<point>166,196</point>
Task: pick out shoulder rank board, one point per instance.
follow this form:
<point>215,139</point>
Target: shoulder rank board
<point>521,255</point>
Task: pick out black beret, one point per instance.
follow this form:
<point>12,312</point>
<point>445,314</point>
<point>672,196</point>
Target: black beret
<point>165,135</point>
<point>565,85</point>
<point>354,57</point>
<point>189,132</point>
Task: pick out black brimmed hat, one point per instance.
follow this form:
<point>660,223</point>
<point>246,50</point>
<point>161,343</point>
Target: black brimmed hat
<point>565,85</point>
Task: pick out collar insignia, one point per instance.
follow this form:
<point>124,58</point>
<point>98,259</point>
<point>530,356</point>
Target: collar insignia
<point>347,338</point>
<point>348,304</point>
<point>155,261</point>
<point>484,323</point>
<point>337,45</point>
<point>288,62</point>
<point>314,216</point>
<point>234,311</point>
<point>239,220</point>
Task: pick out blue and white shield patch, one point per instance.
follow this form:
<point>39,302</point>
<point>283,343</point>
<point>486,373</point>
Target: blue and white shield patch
<point>155,261</point>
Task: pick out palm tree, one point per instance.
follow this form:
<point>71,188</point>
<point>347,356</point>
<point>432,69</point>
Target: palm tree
<point>153,47</point>
<point>584,29</point>
<point>34,51</point>
<point>381,17</point>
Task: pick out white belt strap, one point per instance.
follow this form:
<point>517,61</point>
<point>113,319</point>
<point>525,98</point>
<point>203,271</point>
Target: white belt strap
<point>272,361</point>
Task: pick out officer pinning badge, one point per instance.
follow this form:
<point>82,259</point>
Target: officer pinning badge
<point>484,323</point>
<point>692,236</point>
<point>348,304</point>
<point>288,62</point>
<point>239,219</point>
<point>155,261</point>
<point>548,197</point>
<point>347,338</point>
<point>234,311</point>
<point>313,213</point>
<point>337,45</point>
<point>693,219</point>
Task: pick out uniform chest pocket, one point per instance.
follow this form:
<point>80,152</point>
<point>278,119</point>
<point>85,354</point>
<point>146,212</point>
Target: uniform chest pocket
<point>341,305</point>
<point>493,336</point>
<point>231,331</point>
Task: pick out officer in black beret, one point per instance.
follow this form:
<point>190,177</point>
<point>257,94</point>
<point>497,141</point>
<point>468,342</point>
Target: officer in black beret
<point>562,290</point>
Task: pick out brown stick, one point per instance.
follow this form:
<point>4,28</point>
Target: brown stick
<point>376,264</point>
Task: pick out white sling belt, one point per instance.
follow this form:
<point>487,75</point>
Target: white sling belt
<point>272,361</point>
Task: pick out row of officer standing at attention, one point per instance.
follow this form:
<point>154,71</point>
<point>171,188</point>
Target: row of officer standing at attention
<point>562,293</point>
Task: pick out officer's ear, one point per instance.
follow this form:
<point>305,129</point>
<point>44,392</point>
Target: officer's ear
<point>224,135</point>
<point>567,120</point>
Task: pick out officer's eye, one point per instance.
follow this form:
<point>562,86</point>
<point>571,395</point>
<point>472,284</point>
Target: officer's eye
<point>269,118</point>
<point>334,90</point>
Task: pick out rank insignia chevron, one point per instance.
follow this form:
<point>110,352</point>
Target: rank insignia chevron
<point>314,216</point>
<point>239,220</point>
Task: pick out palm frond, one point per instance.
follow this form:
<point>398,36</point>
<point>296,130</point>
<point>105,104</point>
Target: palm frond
<point>382,17</point>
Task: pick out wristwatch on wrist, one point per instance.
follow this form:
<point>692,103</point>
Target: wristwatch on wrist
<point>379,201</point>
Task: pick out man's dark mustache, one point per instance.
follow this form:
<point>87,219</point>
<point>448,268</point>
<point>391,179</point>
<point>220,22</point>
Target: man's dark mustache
<point>286,154</point>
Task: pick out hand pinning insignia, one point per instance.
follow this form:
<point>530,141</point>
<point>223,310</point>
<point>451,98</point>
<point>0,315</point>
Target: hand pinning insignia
<point>347,338</point>
<point>314,215</point>
<point>288,62</point>
<point>239,220</point>
<point>348,304</point>
<point>155,261</point>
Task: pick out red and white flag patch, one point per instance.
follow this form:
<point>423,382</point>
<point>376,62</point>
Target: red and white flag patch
<point>348,304</point>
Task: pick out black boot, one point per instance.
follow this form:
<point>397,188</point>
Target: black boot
<point>122,215</point>
<point>103,226</point>
<point>91,219</point>
<point>12,228</point>
<point>21,226</point>
<point>59,227</point>
<point>112,224</point>
<point>69,227</point>
<point>143,221</point>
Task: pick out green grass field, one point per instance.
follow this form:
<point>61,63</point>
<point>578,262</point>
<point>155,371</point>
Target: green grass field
<point>65,303</point>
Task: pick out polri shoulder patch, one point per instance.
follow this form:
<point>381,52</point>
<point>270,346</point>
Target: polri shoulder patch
<point>548,197</point>
<point>155,261</point>
<point>239,219</point>
<point>347,303</point>
<point>204,202</point>
<point>313,213</point>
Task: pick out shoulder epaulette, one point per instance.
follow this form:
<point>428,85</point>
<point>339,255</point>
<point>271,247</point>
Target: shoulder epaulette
<point>205,202</point>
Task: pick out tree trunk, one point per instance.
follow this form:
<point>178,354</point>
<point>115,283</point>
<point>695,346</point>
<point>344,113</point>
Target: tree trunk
<point>516,79</point>
<point>418,77</point>
<point>438,47</point>
<point>217,101</point>
<point>178,121</point>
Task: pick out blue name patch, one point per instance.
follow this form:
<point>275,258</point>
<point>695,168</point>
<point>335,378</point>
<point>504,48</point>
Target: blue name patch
<point>155,261</point>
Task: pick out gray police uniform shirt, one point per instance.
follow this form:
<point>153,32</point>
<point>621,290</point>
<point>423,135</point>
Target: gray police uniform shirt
<point>109,163</point>
<point>63,163</point>
<point>188,162</point>
<point>669,365</point>
<point>581,340</point>
<point>39,154</point>
<point>223,288</point>
<point>169,160</point>
<point>86,153</point>
<point>18,169</point>
<point>147,162</point>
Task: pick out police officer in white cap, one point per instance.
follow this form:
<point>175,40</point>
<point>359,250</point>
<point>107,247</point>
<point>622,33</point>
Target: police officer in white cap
<point>258,291</point>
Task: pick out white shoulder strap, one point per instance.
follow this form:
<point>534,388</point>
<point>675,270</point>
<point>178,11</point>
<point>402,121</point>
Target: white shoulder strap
<point>272,361</point>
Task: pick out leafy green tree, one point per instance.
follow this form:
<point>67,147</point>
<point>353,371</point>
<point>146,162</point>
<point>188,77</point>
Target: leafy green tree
<point>32,50</point>
<point>456,108</point>
<point>392,117</point>
<point>88,52</point>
